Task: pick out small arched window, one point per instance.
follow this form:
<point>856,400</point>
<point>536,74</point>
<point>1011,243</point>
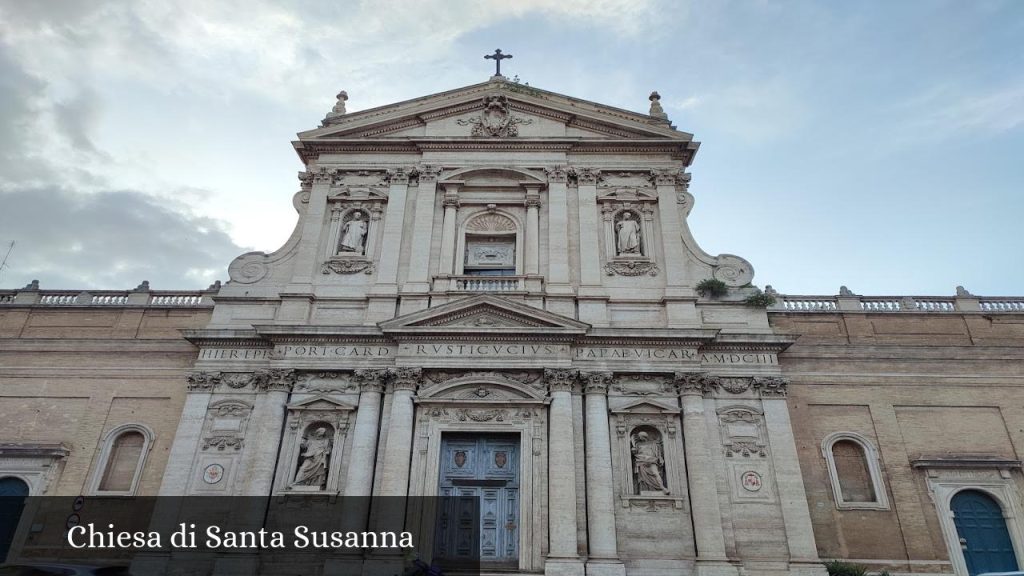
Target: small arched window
<point>122,459</point>
<point>854,471</point>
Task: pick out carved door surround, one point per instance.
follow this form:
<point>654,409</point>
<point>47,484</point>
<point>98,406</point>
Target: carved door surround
<point>303,417</point>
<point>488,403</point>
<point>996,478</point>
<point>664,418</point>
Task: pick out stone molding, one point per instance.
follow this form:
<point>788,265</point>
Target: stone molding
<point>271,380</point>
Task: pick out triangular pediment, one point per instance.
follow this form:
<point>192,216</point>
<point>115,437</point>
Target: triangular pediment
<point>484,314</point>
<point>495,110</point>
<point>646,407</point>
<point>320,403</point>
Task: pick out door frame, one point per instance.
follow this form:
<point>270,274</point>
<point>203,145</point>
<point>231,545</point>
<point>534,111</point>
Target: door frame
<point>996,483</point>
<point>529,422</point>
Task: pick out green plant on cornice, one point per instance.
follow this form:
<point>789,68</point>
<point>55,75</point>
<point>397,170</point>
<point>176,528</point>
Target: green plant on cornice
<point>760,300</point>
<point>840,568</point>
<point>712,287</point>
<point>515,86</point>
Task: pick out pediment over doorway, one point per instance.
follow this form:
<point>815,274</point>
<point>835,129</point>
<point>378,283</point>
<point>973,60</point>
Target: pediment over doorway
<point>484,315</point>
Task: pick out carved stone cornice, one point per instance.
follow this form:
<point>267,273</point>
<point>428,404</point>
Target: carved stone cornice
<point>404,378</point>
<point>771,386</point>
<point>557,174</point>
<point>696,383</point>
<point>203,381</point>
<point>273,380</point>
<point>561,379</point>
<point>370,380</point>
<point>596,382</point>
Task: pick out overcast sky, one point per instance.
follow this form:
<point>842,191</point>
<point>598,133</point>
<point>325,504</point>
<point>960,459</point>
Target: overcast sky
<point>878,145</point>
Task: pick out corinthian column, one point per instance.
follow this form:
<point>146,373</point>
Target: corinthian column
<point>359,481</point>
<point>700,468</point>
<point>604,555</point>
<point>532,240</point>
<point>451,207</point>
<point>269,415</point>
<point>795,514</point>
<point>398,451</point>
<point>563,554</point>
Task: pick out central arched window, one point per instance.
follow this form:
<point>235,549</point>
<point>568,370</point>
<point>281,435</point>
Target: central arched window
<point>491,245</point>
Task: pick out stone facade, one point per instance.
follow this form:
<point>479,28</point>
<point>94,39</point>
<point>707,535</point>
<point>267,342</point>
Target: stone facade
<point>499,282</point>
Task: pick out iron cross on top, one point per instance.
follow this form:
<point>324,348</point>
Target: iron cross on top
<point>497,57</point>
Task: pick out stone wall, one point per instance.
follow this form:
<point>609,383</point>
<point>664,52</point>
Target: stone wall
<point>70,375</point>
<point>939,397</point>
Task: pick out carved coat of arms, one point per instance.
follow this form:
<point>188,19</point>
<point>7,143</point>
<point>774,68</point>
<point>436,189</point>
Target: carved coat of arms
<point>496,119</point>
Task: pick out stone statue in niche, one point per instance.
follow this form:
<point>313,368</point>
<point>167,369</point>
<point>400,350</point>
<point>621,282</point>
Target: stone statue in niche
<point>314,459</point>
<point>627,235</point>
<point>648,462</point>
<point>353,234</point>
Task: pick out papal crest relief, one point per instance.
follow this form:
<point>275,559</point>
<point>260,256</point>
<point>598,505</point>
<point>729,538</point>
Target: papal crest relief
<point>496,119</point>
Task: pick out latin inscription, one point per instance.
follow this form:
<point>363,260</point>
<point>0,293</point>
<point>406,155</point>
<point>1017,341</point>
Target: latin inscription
<point>332,351</point>
<point>234,354</point>
<point>482,350</point>
<point>624,353</point>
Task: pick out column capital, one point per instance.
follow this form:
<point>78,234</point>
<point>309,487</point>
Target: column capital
<point>450,200</point>
<point>696,383</point>
<point>557,174</point>
<point>427,173</point>
<point>399,175</point>
<point>404,378</point>
<point>669,177</point>
<point>370,380</point>
<point>771,386</point>
<point>273,380</point>
<point>587,176</point>
<point>324,175</point>
<point>532,200</point>
<point>561,379</point>
<point>596,382</point>
<point>203,381</point>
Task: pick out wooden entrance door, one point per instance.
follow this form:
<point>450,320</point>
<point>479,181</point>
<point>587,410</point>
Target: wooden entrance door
<point>984,539</point>
<point>485,467</point>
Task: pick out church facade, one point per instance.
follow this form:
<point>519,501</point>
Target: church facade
<point>494,292</point>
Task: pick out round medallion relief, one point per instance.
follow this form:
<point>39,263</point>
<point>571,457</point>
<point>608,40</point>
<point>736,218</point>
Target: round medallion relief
<point>751,481</point>
<point>213,473</point>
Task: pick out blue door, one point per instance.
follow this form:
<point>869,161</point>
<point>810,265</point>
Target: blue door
<point>984,539</point>
<point>12,501</point>
<point>486,468</point>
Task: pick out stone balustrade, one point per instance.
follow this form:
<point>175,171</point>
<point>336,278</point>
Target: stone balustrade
<point>488,284</point>
<point>939,304</point>
<point>108,298</point>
